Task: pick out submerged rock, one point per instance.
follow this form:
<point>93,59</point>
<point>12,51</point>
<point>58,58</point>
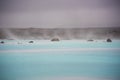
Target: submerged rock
<point>55,39</point>
<point>30,41</point>
<point>90,40</point>
<point>109,40</point>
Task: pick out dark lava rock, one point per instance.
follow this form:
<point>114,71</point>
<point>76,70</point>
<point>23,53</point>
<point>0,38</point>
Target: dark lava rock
<point>90,40</point>
<point>30,41</point>
<point>109,40</point>
<point>55,39</point>
<point>2,42</point>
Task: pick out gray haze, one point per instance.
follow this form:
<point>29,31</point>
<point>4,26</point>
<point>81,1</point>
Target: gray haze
<point>62,33</point>
<point>59,13</point>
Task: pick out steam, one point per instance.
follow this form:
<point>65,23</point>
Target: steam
<point>8,34</point>
<point>62,34</point>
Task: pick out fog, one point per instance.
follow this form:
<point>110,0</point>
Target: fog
<point>59,13</point>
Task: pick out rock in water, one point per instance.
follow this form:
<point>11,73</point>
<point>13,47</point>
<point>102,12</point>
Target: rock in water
<point>2,42</point>
<point>90,40</point>
<point>55,39</point>
<point>30,41</point>
<point>109,40</point>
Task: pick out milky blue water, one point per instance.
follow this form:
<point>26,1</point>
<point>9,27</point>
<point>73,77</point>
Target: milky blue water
<point>84,63</point>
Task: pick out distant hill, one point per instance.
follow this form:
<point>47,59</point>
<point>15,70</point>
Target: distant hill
<point>62,33</point>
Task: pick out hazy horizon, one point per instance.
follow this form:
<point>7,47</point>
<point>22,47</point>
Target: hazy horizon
<point>59,13</point>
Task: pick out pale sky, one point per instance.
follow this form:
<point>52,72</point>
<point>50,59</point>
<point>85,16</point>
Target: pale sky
<point>59,13</point>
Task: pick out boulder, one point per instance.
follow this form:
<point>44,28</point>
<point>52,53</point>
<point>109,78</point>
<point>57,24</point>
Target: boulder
<point>2,42</point>
<point>90,40</point>
<point>109,40</point>
<point>55,39</point>
<point>30,41</point>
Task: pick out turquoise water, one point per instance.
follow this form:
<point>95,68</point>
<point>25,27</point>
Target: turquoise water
<point>53,45</point>
<point>82,63</point>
